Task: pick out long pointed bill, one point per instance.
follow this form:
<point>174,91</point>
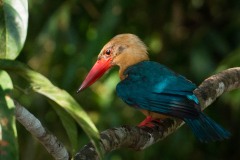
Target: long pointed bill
<point>99,68</point>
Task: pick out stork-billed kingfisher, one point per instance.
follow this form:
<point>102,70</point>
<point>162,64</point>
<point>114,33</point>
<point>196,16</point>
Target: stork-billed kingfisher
<point>154,89</point>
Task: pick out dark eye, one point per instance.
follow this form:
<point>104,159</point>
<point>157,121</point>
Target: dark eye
<point>108,52</point>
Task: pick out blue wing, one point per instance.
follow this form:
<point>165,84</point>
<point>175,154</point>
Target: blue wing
<point>151,86</point>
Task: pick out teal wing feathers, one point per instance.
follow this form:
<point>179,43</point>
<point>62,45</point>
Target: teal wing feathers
<point>154,87</point>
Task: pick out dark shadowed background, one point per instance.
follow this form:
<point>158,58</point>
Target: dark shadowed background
<point>195,38</point>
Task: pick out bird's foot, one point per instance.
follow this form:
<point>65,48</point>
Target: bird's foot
<point>146,121</point>
<point>149,122</point>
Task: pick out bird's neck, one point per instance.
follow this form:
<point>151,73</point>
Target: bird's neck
<point>128,60</point>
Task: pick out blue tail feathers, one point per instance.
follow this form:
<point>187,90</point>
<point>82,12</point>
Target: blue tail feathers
<point>206,130</point>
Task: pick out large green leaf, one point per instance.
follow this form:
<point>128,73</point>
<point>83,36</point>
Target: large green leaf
<point>43,86</point>
<point>13,27</point>
<point>8,134</point>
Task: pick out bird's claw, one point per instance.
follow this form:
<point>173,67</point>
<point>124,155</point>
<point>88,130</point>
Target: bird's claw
<point>149,122</point>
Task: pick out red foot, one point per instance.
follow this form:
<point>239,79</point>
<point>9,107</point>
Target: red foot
<point>149,122</point>
<point>145,121</point>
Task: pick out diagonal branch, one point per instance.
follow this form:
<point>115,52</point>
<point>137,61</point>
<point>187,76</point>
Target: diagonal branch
<point>34,126</point>
<point>140,138</point>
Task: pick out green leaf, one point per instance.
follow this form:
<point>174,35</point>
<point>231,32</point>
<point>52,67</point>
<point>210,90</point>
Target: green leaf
<point>13,27</point>
<point>69,125</point>
<point>43,86</point>
<point>8,134</point>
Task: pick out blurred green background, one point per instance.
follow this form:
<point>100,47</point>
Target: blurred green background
<point>195,38</point>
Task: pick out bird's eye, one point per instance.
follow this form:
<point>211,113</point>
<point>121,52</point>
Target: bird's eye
<point>108,52</point>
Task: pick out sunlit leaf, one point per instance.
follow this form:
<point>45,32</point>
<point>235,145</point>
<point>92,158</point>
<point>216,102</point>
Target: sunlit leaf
<point>43,86</point>
<point>13,27</point>
<point>8,134</point>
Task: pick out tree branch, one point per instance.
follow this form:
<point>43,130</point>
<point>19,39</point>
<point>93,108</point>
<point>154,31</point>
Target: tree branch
<point>34,126</point>
<point>140,138</point>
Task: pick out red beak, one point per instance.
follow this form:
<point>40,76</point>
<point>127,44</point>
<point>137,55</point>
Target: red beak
<point>99,68</point>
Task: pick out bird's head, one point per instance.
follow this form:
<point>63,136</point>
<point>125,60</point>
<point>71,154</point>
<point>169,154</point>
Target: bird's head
<point>122,50</point>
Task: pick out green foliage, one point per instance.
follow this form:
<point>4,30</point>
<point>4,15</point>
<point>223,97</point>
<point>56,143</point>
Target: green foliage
<point>69,125</point>
<point>13,31</point>
<point>13,27</point>
<point>8,134</point>
<point>42,85</point>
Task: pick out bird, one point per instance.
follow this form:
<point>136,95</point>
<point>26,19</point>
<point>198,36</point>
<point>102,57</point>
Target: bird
<point>154,89</point>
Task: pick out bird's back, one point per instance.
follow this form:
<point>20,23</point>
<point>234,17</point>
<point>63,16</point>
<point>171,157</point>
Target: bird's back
<point>154,87</point>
